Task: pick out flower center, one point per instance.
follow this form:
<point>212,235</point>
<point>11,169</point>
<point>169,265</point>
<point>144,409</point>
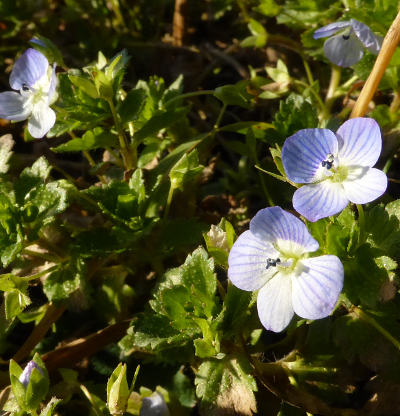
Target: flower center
<point>328,162</point>
<point>272,262</point>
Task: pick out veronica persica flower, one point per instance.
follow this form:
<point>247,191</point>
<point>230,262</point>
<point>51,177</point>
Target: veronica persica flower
<point>35,80</point>
<point>26,374</point>
<point>346,48</point>
<point>336,168</point>
<point>154,405</point>
<point>272,257</point>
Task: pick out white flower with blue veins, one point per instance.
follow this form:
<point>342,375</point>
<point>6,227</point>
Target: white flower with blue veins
<point>346,48</point>
<point>272,257</point>
<point>335,168</point>
<point>36,81</point>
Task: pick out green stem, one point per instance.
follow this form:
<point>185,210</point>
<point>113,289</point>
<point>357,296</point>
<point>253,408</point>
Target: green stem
<point>40,274</point>
<point>169,200</point>
<point>370,320</point>
<point>188,95</point>
<point>129,163</point>
<point>308,71</point>
<point>333,86</point>
<point>395,104</point>
<point>43,256</point>
<point>219,118</point>
<point>325,112</point>
<point>361,222</point>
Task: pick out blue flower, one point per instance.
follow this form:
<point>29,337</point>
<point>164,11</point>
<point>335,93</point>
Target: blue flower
<point>337,168</point>
<point>272,257</point>
<point>154,405</point>
<point>347,48</point>
<point>26,374</point>
<point>35,80</point>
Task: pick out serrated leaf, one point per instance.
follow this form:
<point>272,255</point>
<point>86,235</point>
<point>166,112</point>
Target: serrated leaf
<point>219,381</point>
<point>259,38</point>
<point>50,406</point>
<point>62,282</point>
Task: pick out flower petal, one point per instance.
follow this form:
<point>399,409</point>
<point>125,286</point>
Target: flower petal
<point>273,223</point>
<point>13,106</point>
<point>28,69</point>
<point>41,121</point>
<point>315,290</point>
<point>344,51</point>
<point>274,303</point>
<point>53,85</point>
<point>365,187</point>
<point>330,29</point>
<point>247,262</point>
<point>303,153</point>
<point>372,42</point>
<point>320,200</point>
<point>360,142</point>
<point>154,405</point>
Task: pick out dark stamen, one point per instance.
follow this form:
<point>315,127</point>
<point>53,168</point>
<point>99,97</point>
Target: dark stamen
<point>272,262</point>
<point>346,37</point>
<point>328,162</point>
<point>25,87</point>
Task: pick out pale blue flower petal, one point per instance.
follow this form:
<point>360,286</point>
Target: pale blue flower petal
<point>13,106</point>
<point>316,287</point>
<point>367,187</point>
<point>247,262</point>
<point>372,42</point>
<point>53,86</point>
<point>272,224</point>
<point>41,121</point>
<point>344,51</point>
<point>25,376</point>
<point>274,303</point>
<point>360,142</point>
<point>28,69</point>
<point>330,29</point>
<point>154,405</point>
<point>303,153</point>
<point>319,200</point>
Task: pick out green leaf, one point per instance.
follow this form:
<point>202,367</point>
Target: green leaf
<point>160,120</point>
<point>259,38</point>
<point>91,140</point>
<point>183,388</point>
<point>220,381</point>
<point>236,311</point>
<point>185,170</point>
<point>31,178</point>
<point>85,84</point>
<point>279,74</point>
<point>234,94</point>
<point>50,406</point>
<point>117,390</point>
<point>65,280</point>
<point>268,8</point>
<point>295,113</point>
<point>132,105</point>
<point>15,302</point>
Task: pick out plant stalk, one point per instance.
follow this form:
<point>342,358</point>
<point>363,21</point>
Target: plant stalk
<point>389,46</point>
